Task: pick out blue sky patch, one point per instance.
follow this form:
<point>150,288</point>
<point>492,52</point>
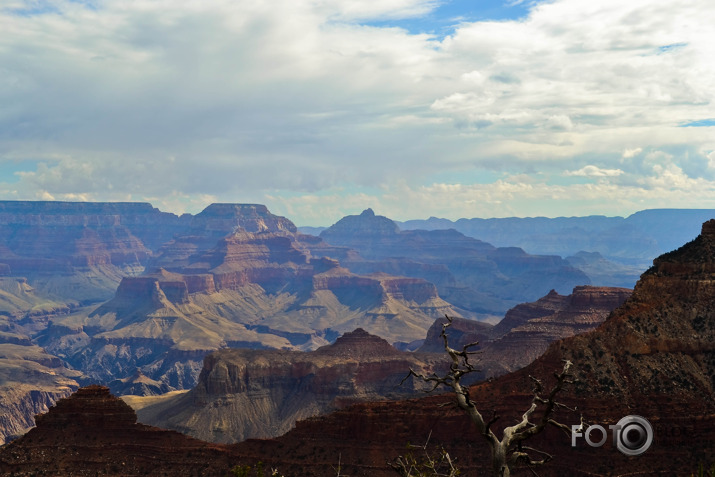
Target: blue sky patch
<point>700,123</point>
<point>442,21</point>
<point>9,169</point>
<point>671,47</point>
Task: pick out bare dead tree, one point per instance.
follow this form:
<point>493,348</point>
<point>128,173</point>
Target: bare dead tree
<point>510,449</point>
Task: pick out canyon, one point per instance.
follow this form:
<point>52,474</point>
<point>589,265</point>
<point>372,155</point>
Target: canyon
<point>134,298</point>
<point>652,356</point>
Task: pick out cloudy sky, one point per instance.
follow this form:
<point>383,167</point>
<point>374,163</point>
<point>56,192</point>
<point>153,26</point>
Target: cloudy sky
<point>322,108</point>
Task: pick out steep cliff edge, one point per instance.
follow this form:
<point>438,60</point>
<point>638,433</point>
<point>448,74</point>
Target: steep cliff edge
<point>243,394</point>
<point>78,251</point>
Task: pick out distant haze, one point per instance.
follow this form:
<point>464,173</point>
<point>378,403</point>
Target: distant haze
<point>320,109</point>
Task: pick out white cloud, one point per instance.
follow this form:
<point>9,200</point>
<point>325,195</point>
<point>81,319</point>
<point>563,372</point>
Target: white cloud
<point>181,101</point>
<point>594,171</point>
<point>629,153</point>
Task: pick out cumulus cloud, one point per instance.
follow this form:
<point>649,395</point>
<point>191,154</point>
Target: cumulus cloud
<point>181,101</point>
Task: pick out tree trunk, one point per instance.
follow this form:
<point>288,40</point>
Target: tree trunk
<point>499,465</point>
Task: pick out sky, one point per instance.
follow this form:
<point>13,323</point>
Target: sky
<point>322,108</point>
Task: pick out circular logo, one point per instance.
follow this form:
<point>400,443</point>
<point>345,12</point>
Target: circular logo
<point>634,435</point>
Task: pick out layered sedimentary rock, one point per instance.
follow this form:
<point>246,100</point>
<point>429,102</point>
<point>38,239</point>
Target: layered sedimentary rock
<point>243,394</point>
<point>152,327</point>
<point>78,252</point>
<point>532,327</point>
<point>652,357</point>
<point>253,290</point>
<point>18,299</point>
<point>213,224</point>
<point>473,275</point>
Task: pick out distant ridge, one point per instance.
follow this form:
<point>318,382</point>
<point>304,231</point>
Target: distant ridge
<point>637,238</point>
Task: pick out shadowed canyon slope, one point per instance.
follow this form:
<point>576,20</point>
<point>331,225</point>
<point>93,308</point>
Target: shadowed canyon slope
<point>94,433</point>
<point>653,357</point>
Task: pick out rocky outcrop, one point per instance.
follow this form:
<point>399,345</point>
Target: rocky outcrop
<point>533,326</point>
<point>461,333</point>
<point>213,224</point>
<point>93,433</point>
<point>243,394</point>
<point>586,306</point>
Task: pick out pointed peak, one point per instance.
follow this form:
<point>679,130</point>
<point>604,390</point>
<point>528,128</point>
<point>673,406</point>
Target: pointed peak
<point>359,344</point>
<point>367,213</point>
